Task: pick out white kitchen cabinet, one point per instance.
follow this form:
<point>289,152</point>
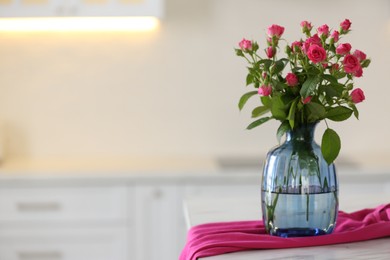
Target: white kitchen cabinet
<point>160,222</point>
<point>50,8</point>
<point>66,222</point>
<point>65,243</point>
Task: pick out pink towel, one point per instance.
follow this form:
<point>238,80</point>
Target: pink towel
<point>226,237</point>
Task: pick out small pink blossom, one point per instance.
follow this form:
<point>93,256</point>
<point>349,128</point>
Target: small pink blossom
<point>297,45</point>
<point>334,67</point>
<point>357,95</point>
<point>275,30</point>
<point>351,64</point>
<point>361,56</point>
<point>335,36</point>
<point>270,52</point>
<point>343,48</point>
<point>316,53</point>
<point>245,44</point>
<point>306,26</point>
<point>265,90</point>
<point>306,100</point>
<point>345,25</point>
<point>292,79</point>
<point>323,30</point>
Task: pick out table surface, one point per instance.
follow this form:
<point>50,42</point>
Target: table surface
<point>207,209</point>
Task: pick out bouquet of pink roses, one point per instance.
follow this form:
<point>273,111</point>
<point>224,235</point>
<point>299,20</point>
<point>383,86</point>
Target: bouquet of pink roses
<point>318,83</point>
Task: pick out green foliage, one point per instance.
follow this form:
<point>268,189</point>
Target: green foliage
<point>245,98</point>
<point>258,122</point>
<point>259,111</point>
<point>330,145</point>
<point>283,129</point>
<point>339,113</point>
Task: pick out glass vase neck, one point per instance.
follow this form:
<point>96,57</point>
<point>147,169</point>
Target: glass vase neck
<point>301,133</point>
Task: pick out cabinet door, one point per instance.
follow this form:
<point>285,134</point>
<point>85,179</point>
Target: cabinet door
<point>159,222</point>
<point>65,243</point>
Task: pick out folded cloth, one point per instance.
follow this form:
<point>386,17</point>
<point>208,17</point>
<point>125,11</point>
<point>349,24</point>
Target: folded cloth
<point>226,237</point>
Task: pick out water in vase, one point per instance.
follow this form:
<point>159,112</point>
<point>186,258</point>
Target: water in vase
<point>292,215</point>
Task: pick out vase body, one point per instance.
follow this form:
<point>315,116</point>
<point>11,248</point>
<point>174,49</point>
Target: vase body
<point>299,189</point>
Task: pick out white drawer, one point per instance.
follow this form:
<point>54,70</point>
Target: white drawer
<point>32,205</point>
<point>78,244</point>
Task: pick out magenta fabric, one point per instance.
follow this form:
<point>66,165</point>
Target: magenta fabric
<point>226,237</point>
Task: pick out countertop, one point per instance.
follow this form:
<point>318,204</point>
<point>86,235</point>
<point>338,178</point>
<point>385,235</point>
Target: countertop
<point>354,197</point>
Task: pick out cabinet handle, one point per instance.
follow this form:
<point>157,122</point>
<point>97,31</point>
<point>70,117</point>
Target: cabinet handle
<point>38,206</point>
<point>40,255</point>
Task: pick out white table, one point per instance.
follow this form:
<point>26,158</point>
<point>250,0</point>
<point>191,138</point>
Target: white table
<point>353,196</point>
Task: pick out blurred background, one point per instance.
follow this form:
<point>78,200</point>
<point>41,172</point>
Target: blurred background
<point>162,100</point>
<point>174,91</point>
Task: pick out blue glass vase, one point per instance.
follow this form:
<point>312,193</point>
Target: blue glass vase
<point>299,189</point>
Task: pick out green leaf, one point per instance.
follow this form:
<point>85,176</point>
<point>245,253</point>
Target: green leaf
<point>249,79</point>
<point>266,100</point>
<point>355,111</point>
<point>315,111</point>
<point>283,128</point>
<point>291,114</point>
<point>313,71</point>
<point>267,64</point>
<point>309,85</point>
<point>278,108</point>
<point>258,111</point>
<point>278,67</point>
<point>366,63</point>
<point>330,78</point>
<point>330,145</point>
<point>278,85</point>
<point>258,122</point>
<point>339,113</point>
<point>245,98</point>
<point>334,90</point>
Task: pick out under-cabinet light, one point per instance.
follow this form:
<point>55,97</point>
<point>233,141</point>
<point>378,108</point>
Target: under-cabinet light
<point>78,24</point>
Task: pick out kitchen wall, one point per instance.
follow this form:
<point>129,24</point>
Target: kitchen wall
<point>174,91</point>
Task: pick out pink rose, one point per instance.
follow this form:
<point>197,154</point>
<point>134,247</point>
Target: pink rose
<point>245,44</point>
<point>316,53</point>
<point>323,30</point>
<point>275,30</point>
<point>361,56</point>
<point>345,25</point>
<point>270,52</point>
<point>358,73</point>
<point>343,49</point>
<point>357,95</point>
<point>351,64</point>
<point>265,90</point>
<point>335,36</point>
<point>314,40</point>
<point>292,79</point>
<point>296,46</point>
<point>306,26</point>
<point>306,100</point>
